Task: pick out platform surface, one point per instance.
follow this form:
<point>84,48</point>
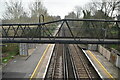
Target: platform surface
<point>21,67</point>
<point>45,62</point>
<point>103,66</point>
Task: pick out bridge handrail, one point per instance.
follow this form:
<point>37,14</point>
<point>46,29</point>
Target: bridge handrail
<point>93,20</point>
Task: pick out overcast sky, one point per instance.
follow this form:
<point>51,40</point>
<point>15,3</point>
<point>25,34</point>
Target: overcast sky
<point>54,7</point>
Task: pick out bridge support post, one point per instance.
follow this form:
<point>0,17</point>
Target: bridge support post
<point>92,47</point>
<point>30,46</point>
<point>23,49</point>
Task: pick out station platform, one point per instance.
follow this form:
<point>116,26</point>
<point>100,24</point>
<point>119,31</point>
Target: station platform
<point>22,67</point>
<point>43,63</point>
<point>36,65</point>
<point>105,69</point>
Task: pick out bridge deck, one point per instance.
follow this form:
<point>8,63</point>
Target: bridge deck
<point>61,40</point>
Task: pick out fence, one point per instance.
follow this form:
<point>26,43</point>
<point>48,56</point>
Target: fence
<point>113,56</point>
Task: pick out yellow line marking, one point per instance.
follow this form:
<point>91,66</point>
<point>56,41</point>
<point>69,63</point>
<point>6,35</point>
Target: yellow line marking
<point>33,74</point>
<point>100,64</point>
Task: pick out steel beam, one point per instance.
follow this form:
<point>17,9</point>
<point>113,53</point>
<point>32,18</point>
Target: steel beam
<point>62,41</point>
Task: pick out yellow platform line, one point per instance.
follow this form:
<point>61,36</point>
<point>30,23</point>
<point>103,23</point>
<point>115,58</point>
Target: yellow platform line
<point>101,65</point>
<point>34,72</point>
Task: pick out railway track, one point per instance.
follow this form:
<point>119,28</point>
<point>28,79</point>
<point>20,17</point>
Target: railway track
<point>69,62</point>
<point>83,67</point>
<point>61,65</point>
<point>55,69</point>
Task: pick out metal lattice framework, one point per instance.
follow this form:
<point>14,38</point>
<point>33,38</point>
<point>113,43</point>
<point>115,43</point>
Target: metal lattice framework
<point>88,31</point>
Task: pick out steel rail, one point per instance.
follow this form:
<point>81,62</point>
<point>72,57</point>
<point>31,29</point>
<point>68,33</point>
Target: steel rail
<point>84,65</point>
<point>64,67</point>
<point>66,64</point>
<point>73,65</point>
<point>49,65</point>
<point>54,66</point>
<point>82,62</point>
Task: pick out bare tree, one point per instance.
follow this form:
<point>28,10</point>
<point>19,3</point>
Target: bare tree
<point>78,10</point>
<point>107,6</point>
<point>118,7</point>
<point>37,8</point>
<point>14,10</point>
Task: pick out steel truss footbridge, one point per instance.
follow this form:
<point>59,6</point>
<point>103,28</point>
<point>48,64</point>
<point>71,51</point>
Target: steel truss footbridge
<point>79,31</point>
